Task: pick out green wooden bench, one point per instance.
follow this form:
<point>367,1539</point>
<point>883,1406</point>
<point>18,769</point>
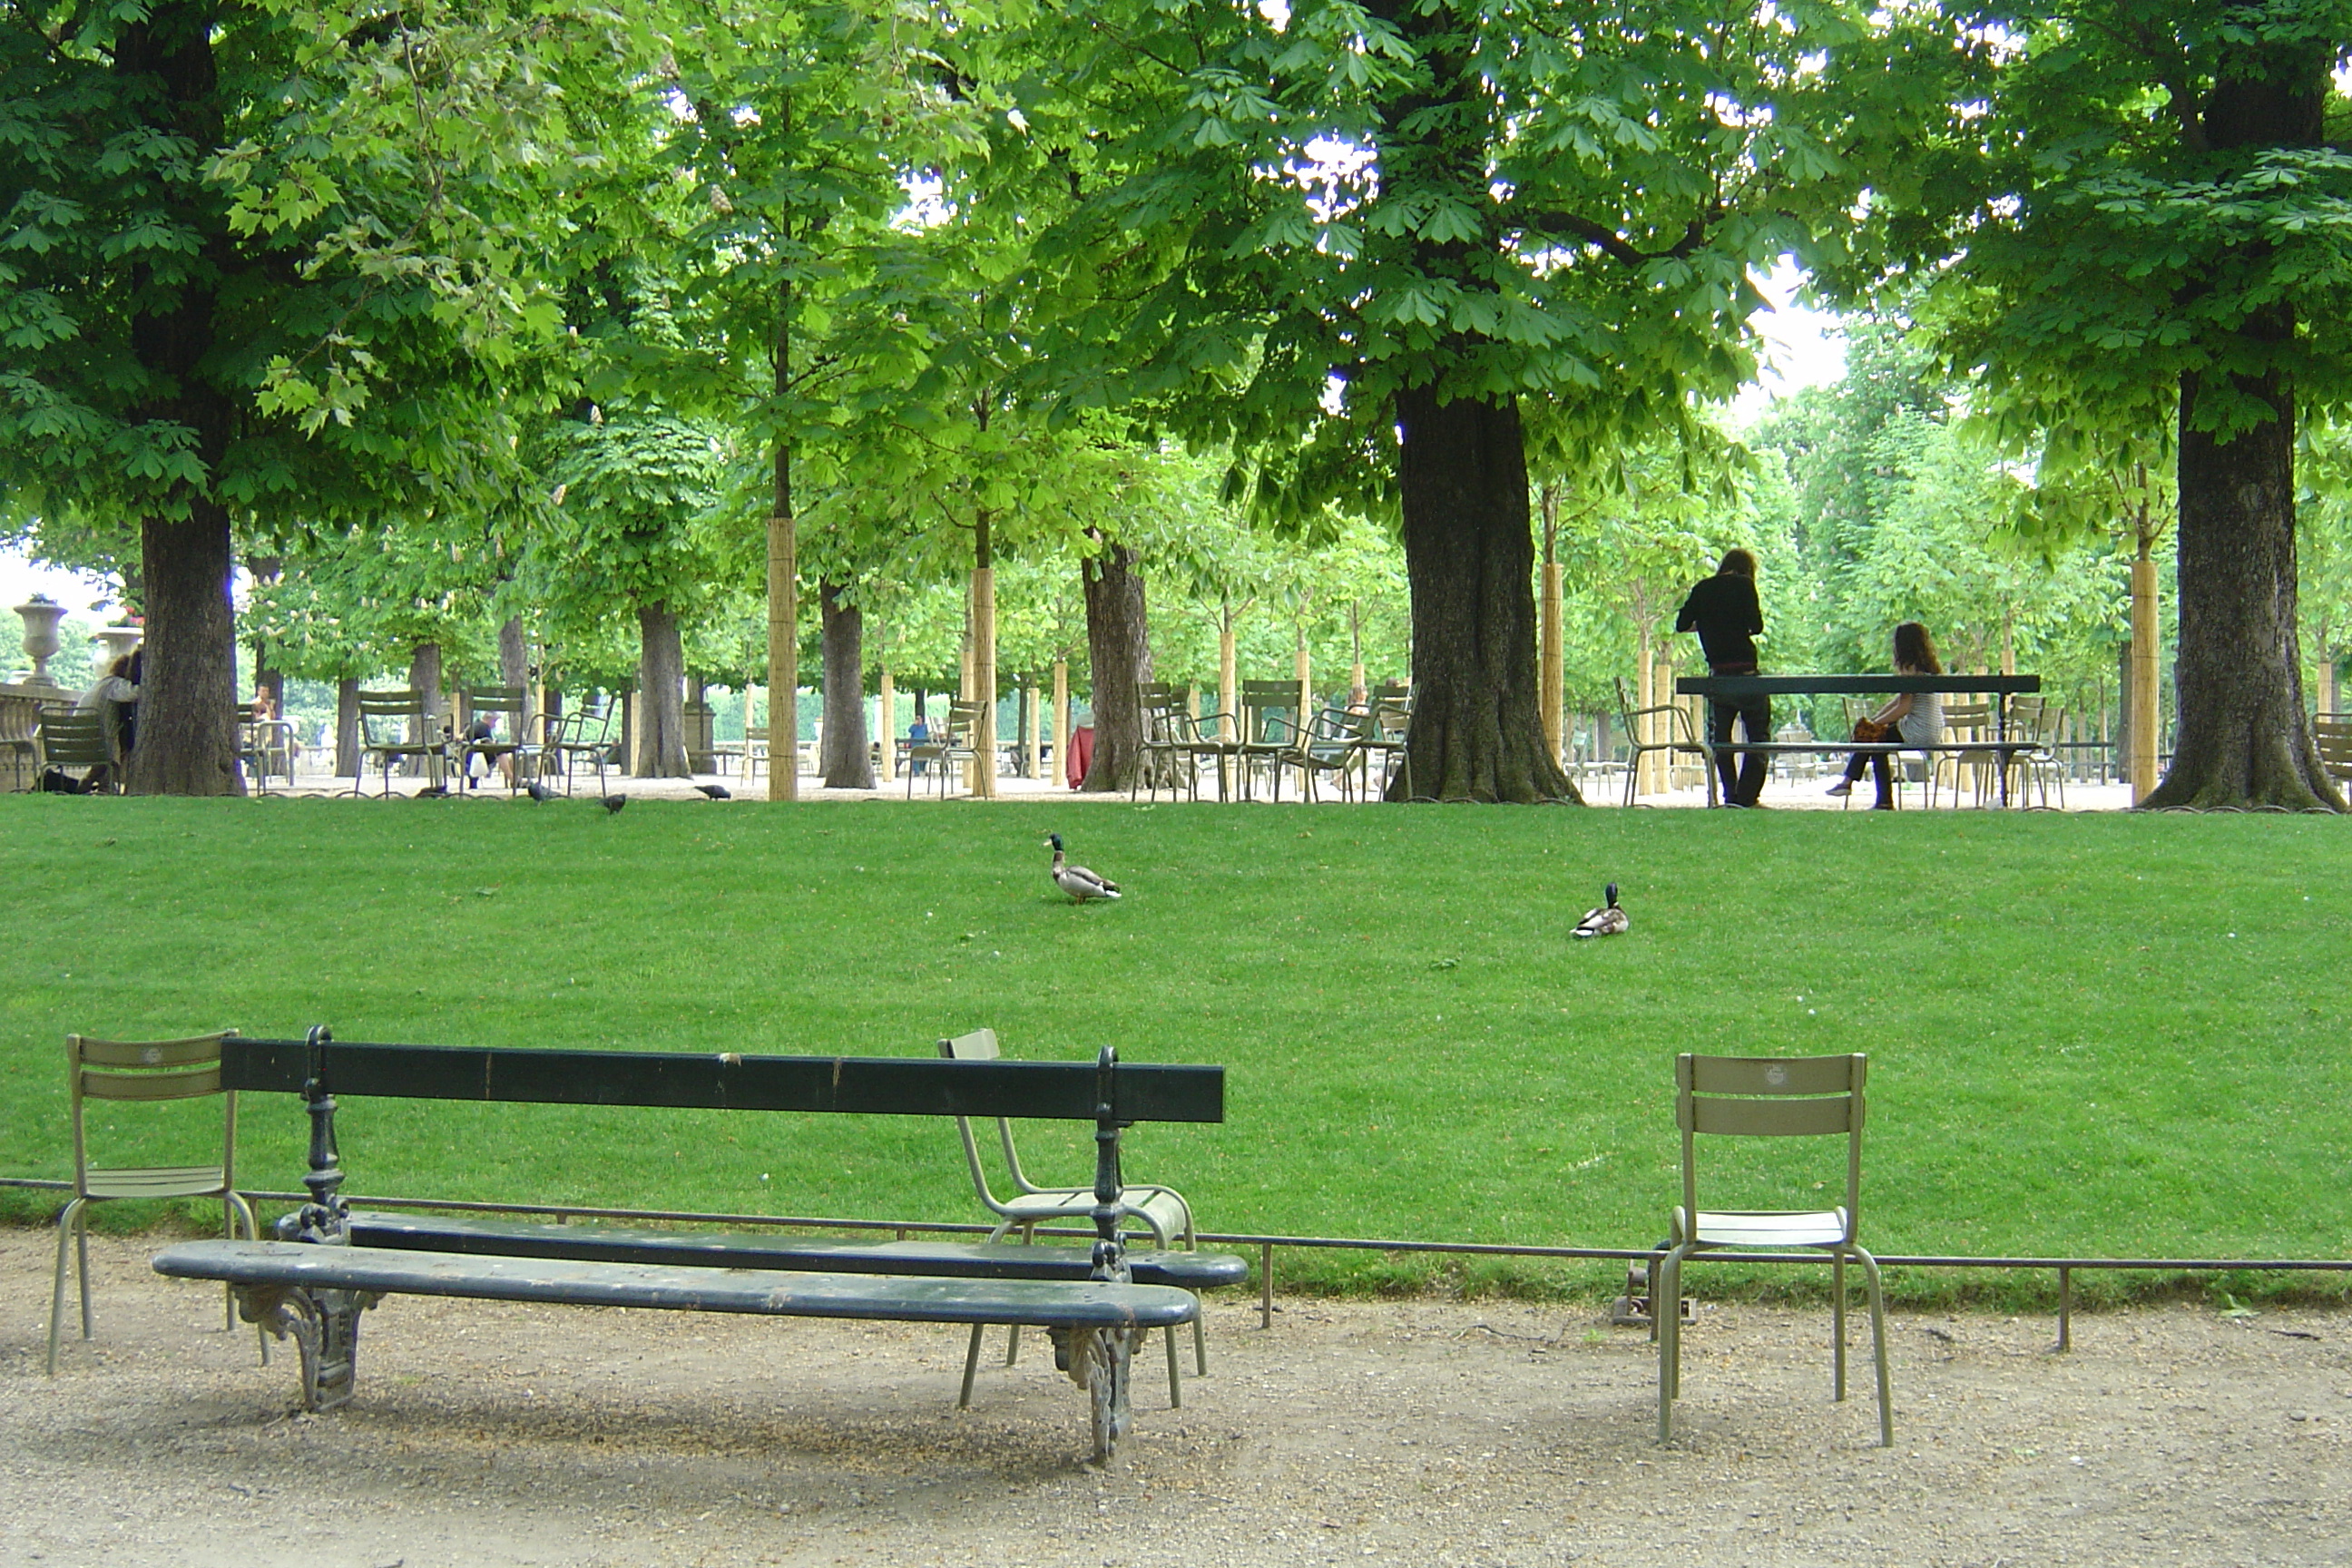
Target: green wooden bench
<point>327,1267</point>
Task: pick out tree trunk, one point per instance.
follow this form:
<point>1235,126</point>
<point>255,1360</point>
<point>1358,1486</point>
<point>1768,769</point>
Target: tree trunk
<point>185,742</point>
<point>514,670</point>
<point>1118,646</point>
<point>425,680</point>
<point>659,709</point>
<point>843,758</point>
<point>347,727</point>
<point>2243,737</point>
<point>1477,733</point>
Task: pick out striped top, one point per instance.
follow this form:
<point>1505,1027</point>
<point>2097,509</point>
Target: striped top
<point>1922,725</point>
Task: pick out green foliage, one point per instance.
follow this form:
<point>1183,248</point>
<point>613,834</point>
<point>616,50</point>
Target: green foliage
<point>2048,1002</point>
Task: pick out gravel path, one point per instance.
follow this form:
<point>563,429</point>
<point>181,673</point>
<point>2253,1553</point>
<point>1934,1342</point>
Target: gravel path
<point>1416,1432</point>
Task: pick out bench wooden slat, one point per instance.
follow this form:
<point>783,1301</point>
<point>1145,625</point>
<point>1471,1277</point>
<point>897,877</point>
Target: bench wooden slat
<point>906,1086</point>
<point>772,1292</point>
<point>723,1249</point>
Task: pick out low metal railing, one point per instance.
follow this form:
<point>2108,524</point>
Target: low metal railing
<point>2064,1268</point>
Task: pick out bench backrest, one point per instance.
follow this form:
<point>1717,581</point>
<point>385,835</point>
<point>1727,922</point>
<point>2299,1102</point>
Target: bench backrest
<point>901,1086</point>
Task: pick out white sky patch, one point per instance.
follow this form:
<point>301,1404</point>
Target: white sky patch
<point>1802,347</point>
<point>20,579</point>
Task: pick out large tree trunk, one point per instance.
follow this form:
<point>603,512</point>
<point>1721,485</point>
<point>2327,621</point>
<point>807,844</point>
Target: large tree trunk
<point>843,758</point>
<point>1477,733</point>
<point>1118,645</point>
<point>186,736</point>
<point>2243,737</point>
<point>661,690</point>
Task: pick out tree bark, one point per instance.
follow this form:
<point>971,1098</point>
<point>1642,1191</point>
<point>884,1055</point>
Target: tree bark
<point>514,670</point>
<point>186,735</point>
<point>843,758</point>
<point>1119,646</point>
<point>661,694</point>
<point>347,726</point>
<point>425,680</point>
<point>2243,738</point>
<point>1477,732</point>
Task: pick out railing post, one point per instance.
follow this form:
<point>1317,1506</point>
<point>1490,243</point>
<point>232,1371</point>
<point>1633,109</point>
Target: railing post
<point>2065,1309</point>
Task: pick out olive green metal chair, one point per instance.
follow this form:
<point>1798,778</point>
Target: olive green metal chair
<point>1767,1096</point>
<point>152,1071</point>
<point>1163,1212</point>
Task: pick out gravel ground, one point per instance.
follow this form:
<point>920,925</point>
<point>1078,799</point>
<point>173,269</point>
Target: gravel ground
<point>1416,1432</point>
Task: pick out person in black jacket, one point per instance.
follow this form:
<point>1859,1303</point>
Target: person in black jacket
<point>1724,611</point>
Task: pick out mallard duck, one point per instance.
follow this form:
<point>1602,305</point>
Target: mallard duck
<point>1076,880</point>
<point>1606,921</point>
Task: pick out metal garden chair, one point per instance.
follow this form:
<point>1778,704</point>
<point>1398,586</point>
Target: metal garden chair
<point>152,1071</point>
<point>1768,1097</point>
<point>1162,1211</point>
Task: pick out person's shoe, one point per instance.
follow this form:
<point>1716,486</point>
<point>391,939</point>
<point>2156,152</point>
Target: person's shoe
<point>1842,787</point>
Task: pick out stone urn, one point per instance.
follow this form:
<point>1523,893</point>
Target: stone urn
<point>41,618</point>
<point>116,642</point>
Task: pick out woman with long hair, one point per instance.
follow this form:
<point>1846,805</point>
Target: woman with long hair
<point>1913,718</point>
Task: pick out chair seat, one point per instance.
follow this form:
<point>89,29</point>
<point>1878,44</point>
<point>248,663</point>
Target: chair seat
<point>156,1182</point>
<point>1771,1227</point>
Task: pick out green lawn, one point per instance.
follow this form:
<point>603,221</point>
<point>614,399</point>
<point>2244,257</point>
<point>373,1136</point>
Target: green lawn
<point>2091,1035</point>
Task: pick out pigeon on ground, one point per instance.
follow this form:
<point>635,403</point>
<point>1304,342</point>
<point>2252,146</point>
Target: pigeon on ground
<point>716,792</point>
<point>613,803</point>
<point>1606,921</point>
<point>432,792</point>
<point>1076,880</point>
<point>538,792</point>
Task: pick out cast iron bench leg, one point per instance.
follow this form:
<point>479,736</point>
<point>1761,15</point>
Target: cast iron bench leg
<point>325,1328</point>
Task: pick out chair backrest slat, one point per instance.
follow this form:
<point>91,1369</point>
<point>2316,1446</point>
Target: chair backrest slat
<point>183,1083</point>
<point>1771,1075</point>
<point>1795,1118</point>
<point>146,1053</point>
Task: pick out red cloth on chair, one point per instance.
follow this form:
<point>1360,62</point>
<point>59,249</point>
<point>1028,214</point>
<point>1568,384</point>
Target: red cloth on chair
<point>1082,754</point>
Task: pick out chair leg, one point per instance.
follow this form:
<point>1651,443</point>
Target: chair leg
<point>1175,1375</point>
<point>68,1219</point>
<point>81,1258</point>
<point>971,1365</point>
<point>1878,1348</point>
<point>253,1233</point>
<point>1666,1313</point>
<point>1837,1324</point>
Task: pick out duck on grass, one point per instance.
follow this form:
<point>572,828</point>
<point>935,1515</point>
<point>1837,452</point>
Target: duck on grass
<point>1076,880</point>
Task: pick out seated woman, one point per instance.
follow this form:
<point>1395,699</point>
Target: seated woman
<point>114,696</point>
<point>1913,718</point>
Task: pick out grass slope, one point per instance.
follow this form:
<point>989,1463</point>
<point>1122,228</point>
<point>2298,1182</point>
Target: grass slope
<point>2091,1035</point>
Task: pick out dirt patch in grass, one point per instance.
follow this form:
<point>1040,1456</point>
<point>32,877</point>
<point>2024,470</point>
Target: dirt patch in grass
<point>1405,1432</point>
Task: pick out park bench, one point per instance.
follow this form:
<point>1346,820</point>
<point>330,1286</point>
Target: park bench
<point>329,1266</point>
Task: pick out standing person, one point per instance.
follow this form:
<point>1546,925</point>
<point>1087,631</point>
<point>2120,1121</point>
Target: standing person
<point>1916,718</point>
<point>1723,609</point>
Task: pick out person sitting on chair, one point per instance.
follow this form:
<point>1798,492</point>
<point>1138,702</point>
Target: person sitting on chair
<point>1915,717</point>
<point>114,696</point>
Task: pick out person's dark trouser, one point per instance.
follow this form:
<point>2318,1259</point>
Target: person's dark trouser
<point>1742,775</point>
<point>1880,774</point>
